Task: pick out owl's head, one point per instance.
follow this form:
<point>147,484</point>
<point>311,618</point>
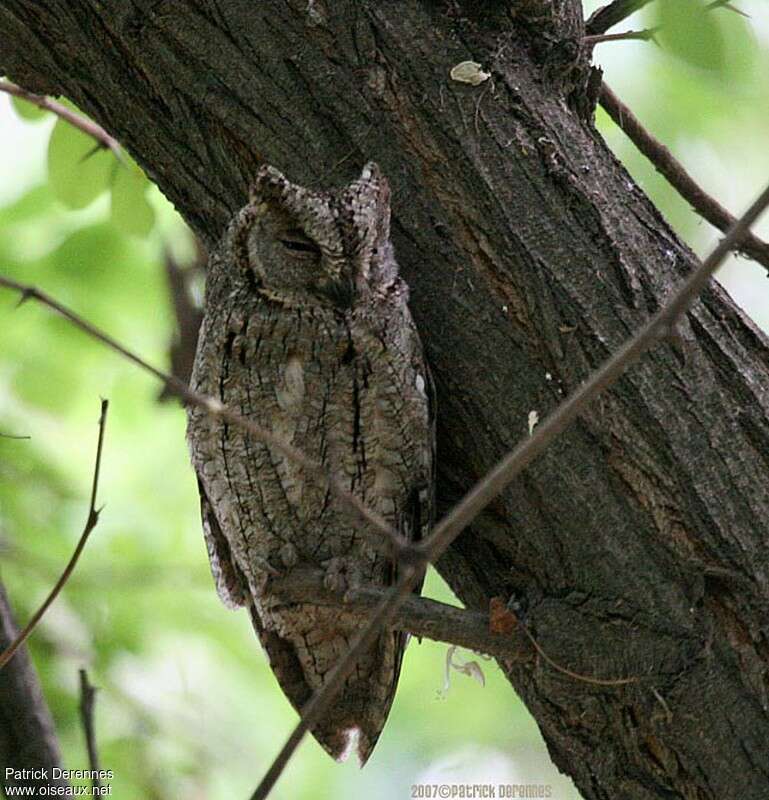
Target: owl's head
<point>319,247</point>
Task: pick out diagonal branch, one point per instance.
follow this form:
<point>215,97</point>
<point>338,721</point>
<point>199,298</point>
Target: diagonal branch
<point>609,15</point>
<point>673,171</point>
<point>395,545</point>
<point>659,326</point>
<point>78,121</point>
<point>93,518</point>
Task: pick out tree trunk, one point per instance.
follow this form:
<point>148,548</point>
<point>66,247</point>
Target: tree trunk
<point>637,545</point>
<point>29,749</point>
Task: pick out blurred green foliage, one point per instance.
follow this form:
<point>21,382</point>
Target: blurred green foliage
<point>701,88</point>
<point>692,32</point>
<point>188,706</point>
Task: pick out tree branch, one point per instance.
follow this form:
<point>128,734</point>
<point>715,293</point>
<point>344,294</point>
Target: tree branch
<point>188,316</point>
<point>609,15</point>
<point>93,518</point>
<point>645,35</point>
<point>83,124</point>
<point>419,616</point>
<point>87,698</point>
<point>429,619</point>
<point>673,171</point>
<point>394,544</point>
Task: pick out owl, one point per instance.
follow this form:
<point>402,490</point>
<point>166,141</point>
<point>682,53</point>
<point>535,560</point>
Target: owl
<point>307,332</point>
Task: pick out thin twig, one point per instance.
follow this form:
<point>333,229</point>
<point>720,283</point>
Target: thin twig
<point>609,15</point>
<point>394,544</point>
<point>500,477</point>
<point>87,126</point>
<point>90,524</point>
<point>577,676</point>
<point>725,4</point>
<point>645,35</point>
<point>87,698</point>
<point>673,171</point>
<point>13,436</point>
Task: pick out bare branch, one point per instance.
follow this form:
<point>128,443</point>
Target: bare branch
<point>500,476</point>
<point>645,35</point>
<point>93,518</point>
<point>418,616</point>
<point>609,15</point>
<point>394,544</point>
<point>83,124</point>
<point>188,316</point>
<point>673,171</point>
<point>87,698</point>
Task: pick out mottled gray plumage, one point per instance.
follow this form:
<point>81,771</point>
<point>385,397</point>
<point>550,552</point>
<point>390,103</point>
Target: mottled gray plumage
<point>307,332</point>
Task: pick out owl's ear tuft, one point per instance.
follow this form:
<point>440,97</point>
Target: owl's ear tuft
<point>269,183</point>
<point>368,202</point>
<point>371,172</point>
<point>373,187</point>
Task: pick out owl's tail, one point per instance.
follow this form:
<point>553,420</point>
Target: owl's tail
<point>356,717</point>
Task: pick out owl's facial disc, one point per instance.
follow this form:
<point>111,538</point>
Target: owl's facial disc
<point>294,262</point>
<point>326,248</point>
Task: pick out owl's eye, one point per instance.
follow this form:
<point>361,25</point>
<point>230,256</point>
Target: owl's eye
<point>300,245</point>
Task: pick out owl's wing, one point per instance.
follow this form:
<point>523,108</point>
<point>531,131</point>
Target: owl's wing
<point>230,586</point>
<point>418,516</point>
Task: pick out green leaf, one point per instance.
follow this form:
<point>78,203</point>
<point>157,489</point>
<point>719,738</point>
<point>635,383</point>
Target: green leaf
<point>30,206</point>
<point>78,172</point>
<point>691,32</point>
<point>26,110</point>
<point>129,210</point>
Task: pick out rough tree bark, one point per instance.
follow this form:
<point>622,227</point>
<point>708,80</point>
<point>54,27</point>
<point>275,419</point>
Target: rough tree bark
<point>637,544</point>
<point>27,734</point>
